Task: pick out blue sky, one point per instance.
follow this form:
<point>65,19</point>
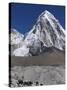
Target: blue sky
<point>24,16</point>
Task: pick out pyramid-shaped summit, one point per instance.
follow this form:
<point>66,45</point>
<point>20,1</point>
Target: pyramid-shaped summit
<point>46,33</point>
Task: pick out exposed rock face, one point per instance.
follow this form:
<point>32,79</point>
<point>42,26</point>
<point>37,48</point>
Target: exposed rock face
<point>37,75</point>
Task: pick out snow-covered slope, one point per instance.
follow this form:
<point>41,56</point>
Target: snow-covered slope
<point>22,51</point>
<point>16,39</point>
<point>47,32</point>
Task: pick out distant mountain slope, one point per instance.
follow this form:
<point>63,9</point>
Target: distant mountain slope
<point>16,39</point>
<point>50,57</point>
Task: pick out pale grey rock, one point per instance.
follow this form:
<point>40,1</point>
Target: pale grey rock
<point>45,75</point>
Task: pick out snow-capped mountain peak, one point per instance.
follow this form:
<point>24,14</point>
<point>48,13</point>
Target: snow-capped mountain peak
<point>16,37</point>
<point>47,32</point>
